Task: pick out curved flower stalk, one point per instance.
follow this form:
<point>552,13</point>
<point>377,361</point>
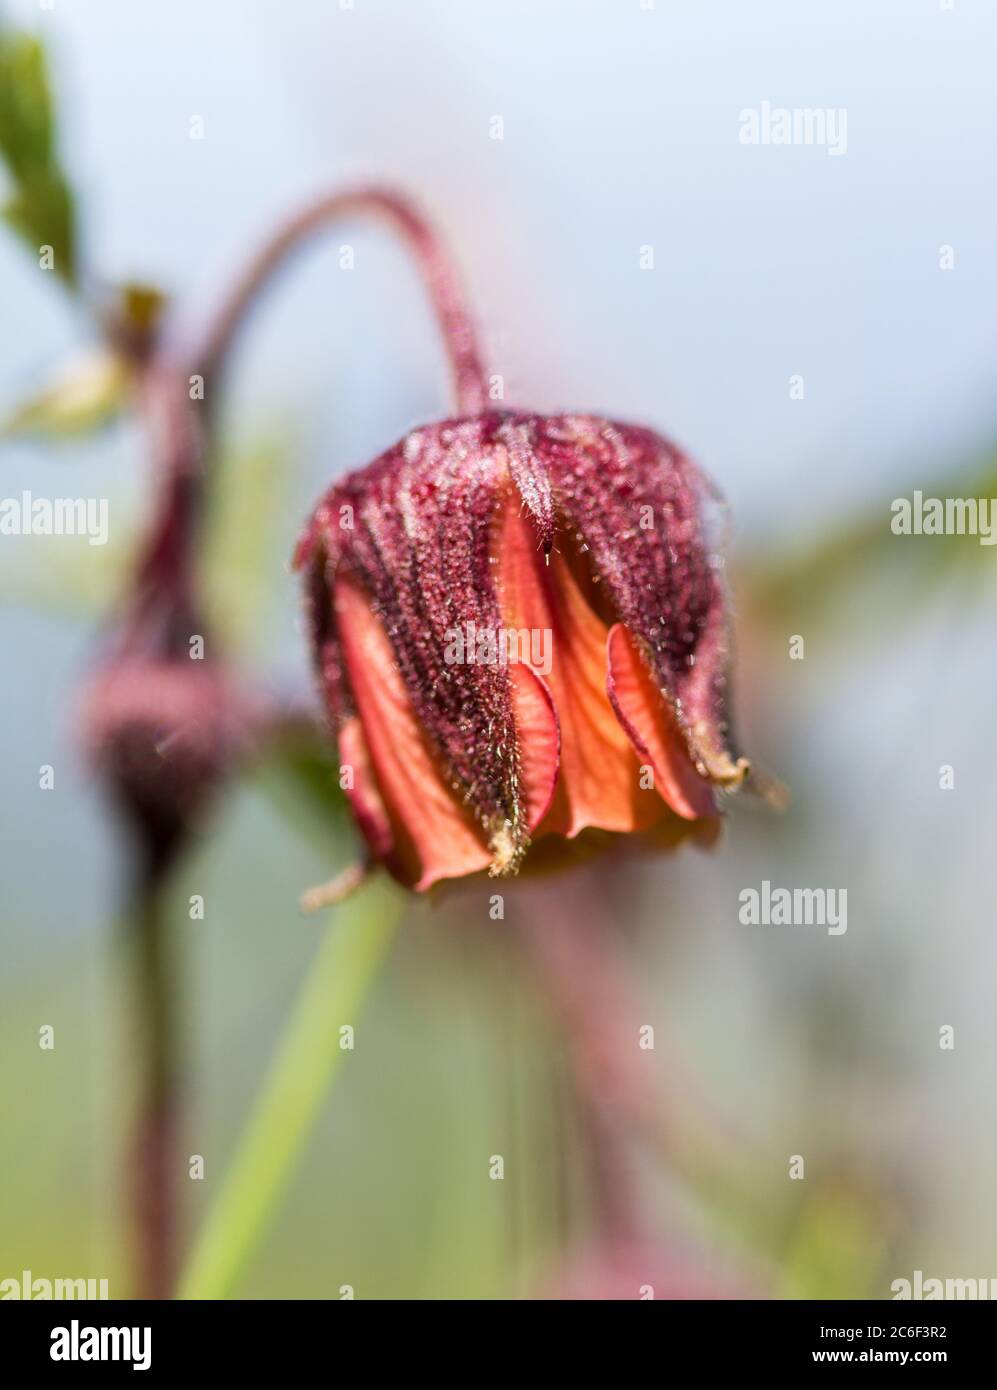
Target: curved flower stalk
<point>456,326</point>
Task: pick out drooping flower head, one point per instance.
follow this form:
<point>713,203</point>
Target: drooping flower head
<point>520,629</point>
<point>519,624</point>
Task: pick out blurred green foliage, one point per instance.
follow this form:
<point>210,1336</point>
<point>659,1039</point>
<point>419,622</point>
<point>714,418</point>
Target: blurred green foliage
<point>39,206</point>
<point>808,580</point>
<point>83,396</point>
<point>299,775</point>
<point>240,556</point>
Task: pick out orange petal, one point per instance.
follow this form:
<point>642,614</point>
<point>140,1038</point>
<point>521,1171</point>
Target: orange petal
<point>651,727</point>
<point>599,783</point>
<point>364,796</point>
<point>435,836</point>
<point>539,738</point>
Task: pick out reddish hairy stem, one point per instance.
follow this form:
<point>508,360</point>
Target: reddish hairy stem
<point>164,572</point>
<point>456,324</point>
<point>165,567</point>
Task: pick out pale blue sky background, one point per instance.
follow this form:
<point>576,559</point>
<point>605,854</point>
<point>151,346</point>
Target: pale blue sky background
<point>621,129</point>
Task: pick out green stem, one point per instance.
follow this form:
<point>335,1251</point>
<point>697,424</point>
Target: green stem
<point>292,1093</point>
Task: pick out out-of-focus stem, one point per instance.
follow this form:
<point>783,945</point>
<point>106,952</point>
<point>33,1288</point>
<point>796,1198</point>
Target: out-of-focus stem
<point>579,979</point>
<point>166,565</point>
<point>153,1157</point>
<point>456,324</point>
<point>572,936</point>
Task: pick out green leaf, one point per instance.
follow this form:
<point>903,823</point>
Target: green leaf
<point>25,105</point>
<point>83,396</point>
<point>40,204</point>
